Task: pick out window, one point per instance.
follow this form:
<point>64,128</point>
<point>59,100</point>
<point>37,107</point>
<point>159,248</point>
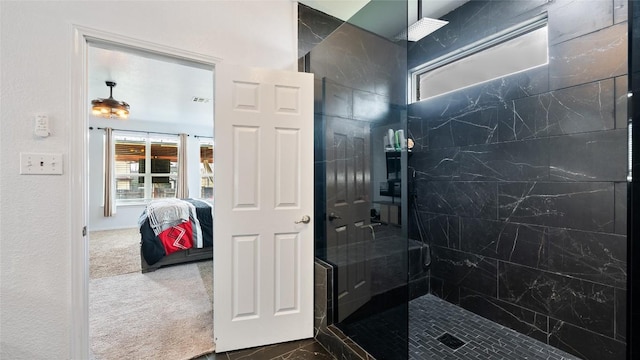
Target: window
<point>513,50</point>
<point>206,168</point>
<point>146,166</point>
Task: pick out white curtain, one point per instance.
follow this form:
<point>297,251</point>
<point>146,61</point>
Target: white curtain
<point>109,174</point>
<point>183,186</point>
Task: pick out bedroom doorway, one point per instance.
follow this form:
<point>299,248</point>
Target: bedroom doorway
<point>135,308</point>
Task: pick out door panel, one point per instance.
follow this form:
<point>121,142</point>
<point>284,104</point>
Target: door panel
<point>348,209</point>
<point>263,254</point>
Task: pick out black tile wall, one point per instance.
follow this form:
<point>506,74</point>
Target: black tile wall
<point>621,315</point>
<point>576,205</point>
<point>462,269</point>
<point>516,243</point>
<point>596,156</point>
<point>555,295</point>
<point>595,56</point>
<point>599,257</point>
<point>622,83</point>
<point>523,320</point>
<point>313,27</point>
<point>620,189</point>
<point>620,11</point>
<point>584,343</point>
<point>567,19</point>
<point>583,108</point>
<point>520,181</point>
<point>509,161</point>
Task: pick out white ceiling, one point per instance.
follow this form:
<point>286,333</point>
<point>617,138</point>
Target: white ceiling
<point>161,89</point>
<point>157,89</point>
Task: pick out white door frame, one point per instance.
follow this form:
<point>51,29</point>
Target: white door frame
<point>78,170</point>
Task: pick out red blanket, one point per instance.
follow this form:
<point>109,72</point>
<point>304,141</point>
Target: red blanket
<point>178,237</point>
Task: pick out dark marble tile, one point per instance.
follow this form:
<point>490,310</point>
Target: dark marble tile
<point>436,164</point>
<point>418,259</point>
<point>510,161</point>
<point>313,27</point>
<point>583,108</point>
<point>578,302</point>
<point>583,343</point>
<point>321,299</point>
<point>418,287</point>
<point>417,131</point>
<point>523,84</point>
<point>362,60</point>
<point>442,230</point>
<point>620,11</point>
<point>595,56</point>
<point>522,320</point>
<point>477,126</point>
<point>383,333</point>
<point>370,106</point>
<point>620,189</point>
<point>430,317</point>
<point>338,100</point>
<point>585,206</point>
<point>464,270</point>
<point>597,156</point>
<point>635,42</point>
<point>444,289</point>
<point>598,257</point>
<point>304,348</point>
<point>529,118</point>
<point>570,19</point>
<point>470,199</point>
<point>318,98</point>
<point>621,90</point>
<point>517,243</point>
<point>621,315</point>
<point>337,347</point>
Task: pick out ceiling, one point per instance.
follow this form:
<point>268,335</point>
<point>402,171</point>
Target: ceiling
<point>158,89</point>
<point>162,89</point>
<point>386,18</point>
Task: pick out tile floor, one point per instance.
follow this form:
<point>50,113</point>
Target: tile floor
<point>302,349</point>
<point>431,317</point>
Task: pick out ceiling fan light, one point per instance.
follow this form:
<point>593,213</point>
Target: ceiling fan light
<point>110,107</point>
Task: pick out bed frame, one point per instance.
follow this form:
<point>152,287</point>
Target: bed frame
<point>178,257</point>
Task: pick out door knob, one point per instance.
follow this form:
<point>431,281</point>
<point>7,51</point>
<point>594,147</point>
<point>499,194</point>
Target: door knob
<point>305,220</point>
<point>333,216</point>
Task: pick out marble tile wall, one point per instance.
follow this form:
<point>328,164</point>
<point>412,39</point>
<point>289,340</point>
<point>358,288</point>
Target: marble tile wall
<point>520,181</point>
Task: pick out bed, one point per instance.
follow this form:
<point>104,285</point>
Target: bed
<point>175,231</point>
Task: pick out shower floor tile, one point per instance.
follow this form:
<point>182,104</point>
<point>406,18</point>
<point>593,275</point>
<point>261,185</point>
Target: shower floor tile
<point>431,317</point>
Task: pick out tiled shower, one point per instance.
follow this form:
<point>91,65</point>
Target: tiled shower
<point>519,184</point>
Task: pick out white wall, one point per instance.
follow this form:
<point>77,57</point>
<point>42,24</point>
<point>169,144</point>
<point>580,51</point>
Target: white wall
<point>36,47</point>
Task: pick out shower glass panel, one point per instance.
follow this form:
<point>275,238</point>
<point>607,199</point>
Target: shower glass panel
<point>361,157</point>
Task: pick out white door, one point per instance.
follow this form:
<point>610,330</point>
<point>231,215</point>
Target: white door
<point>263,252</point>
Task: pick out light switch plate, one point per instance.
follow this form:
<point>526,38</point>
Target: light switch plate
<point>40,164</point>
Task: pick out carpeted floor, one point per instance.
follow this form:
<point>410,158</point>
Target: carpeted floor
<point>165,314</point>
<point>114,252</point>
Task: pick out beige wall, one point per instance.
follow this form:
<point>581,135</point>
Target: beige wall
<point>35,72</point>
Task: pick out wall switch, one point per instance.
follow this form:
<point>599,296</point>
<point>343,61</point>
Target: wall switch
<point>40,164</point>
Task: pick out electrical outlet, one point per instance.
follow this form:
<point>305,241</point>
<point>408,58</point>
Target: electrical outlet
<point>40,164</point>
